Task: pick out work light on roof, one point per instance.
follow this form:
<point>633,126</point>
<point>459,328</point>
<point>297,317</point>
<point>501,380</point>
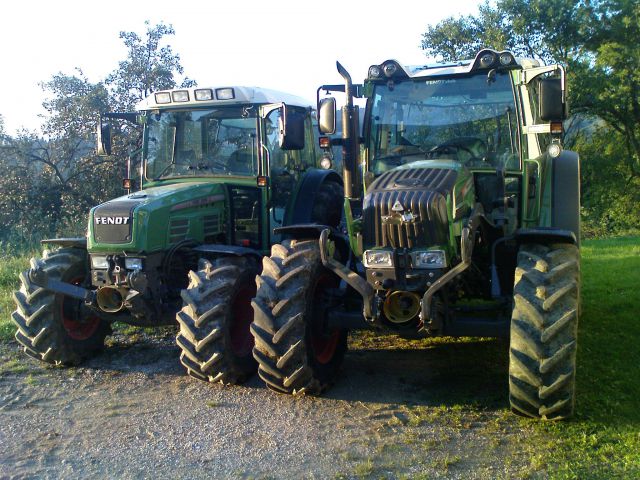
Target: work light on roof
<point>225,94</point>
<point>203,94</point>
<point>180,96</point>
<point>374,71</point>
<point>389,69</point>
<point>487,60</point>
<point>163,97</point>
<point>506,58</point>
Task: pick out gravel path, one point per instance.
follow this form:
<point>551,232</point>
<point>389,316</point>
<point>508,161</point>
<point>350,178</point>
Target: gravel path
<point>132,413</point>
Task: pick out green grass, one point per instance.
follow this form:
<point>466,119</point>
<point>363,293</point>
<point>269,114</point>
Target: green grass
<point>10,268</point>
<point>603,440</point>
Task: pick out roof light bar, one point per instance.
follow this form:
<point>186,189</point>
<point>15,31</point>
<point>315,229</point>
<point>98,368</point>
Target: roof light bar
<point>387,70</point>
<point>489,59</point>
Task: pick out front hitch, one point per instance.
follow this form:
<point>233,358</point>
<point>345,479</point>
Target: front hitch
<point>352,278</point>
<point>39,277</point>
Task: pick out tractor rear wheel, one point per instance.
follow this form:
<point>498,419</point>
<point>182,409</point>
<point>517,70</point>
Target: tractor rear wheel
<point>54,328</point>
<point>544,324</point>
<point>214,322</point>
<point>295,352</point>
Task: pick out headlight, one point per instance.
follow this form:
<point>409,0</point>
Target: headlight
<point>378,259</point>
<point>429,259</point>
<point>99,262</point>
<point>133,263</point>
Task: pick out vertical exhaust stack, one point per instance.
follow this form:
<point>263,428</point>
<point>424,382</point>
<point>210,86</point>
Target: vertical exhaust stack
<point>350,140</point>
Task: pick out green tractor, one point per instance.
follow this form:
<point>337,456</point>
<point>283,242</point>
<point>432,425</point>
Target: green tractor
<point>220,168</point>
<point>462,219</point>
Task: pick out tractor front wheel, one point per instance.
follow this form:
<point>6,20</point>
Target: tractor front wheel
<point>52,327</point>
<point>214,334</point>
<point>544,324</point>
<point>296,353</point>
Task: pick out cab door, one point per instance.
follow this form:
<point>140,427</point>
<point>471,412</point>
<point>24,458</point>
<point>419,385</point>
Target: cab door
<point>284,164</point>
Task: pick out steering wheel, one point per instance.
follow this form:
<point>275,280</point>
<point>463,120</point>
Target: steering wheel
<point>475,147</point>
<point>446,149</point>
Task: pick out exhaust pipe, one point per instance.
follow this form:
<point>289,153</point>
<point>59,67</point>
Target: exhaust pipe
<point>111,299</point>
<point>350,138</point>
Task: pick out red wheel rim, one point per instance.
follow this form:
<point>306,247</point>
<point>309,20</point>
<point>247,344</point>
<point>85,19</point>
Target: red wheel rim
<point>77,330</point>
<point>241,318</point>
<point>324,345</point>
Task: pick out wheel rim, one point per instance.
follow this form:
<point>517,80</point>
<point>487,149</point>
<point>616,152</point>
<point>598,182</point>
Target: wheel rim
<point>242,315</point>
<point>76,329</point>
<point>323,344</point>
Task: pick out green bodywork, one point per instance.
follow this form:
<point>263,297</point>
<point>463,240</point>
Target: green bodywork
<point>188,200</point>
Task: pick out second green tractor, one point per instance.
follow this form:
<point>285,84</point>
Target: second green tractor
<point>461,218</point>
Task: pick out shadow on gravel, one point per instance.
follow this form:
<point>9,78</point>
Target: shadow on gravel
<point>155,356</point>
<point>447,374</point>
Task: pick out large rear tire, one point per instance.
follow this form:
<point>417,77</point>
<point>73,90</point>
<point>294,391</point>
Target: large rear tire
<point>544,328</point>
<point>295,352</point>
<point>54,328</point>
<point>214,334</point>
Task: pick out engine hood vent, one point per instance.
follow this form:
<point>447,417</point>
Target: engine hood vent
<point>407,208</point>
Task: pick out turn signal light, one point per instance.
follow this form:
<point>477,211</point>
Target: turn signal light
<point>556,127</point>
<point>263,181</point>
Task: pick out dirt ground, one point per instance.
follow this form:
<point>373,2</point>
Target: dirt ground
<point>439,411</point>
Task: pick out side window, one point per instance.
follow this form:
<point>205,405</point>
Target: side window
<point>309,159</point>
<point>276,154</point>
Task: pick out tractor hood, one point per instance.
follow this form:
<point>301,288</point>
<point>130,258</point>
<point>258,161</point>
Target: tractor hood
<point>153,218</point>
<point>414,205</point>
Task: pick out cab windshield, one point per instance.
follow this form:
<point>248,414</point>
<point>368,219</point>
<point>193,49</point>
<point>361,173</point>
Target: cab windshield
<point>220,141</point>
<point>470,120</point>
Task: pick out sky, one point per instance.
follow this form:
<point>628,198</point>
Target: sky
<point>286,45</point>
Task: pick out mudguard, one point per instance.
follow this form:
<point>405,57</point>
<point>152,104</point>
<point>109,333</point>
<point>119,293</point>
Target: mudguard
<point>80,242</point>
<point>565,196</point>
<point>313,178</point>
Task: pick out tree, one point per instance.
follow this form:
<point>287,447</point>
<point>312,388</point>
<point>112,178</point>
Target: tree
<point>49,181</point>
<point>148,67</point>
<point>608,86</point>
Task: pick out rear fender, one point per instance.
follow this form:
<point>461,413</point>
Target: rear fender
<point>305,196</point>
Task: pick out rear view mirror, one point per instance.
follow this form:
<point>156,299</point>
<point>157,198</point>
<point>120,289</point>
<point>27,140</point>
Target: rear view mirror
<point>327,116</point>
<point>103,139</point>
<point>291,129</point>
<point>552,107</point>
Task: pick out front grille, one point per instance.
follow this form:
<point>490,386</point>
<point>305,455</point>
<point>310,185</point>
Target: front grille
<point>178,229</point>
<point>422,192</point>
<point>112,221</point>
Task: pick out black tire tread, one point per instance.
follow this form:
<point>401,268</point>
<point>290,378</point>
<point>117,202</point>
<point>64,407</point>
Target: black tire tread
<point>544,325</point>
<point>279,324</point>
<point>40,332</point>
<point>203,319</point>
